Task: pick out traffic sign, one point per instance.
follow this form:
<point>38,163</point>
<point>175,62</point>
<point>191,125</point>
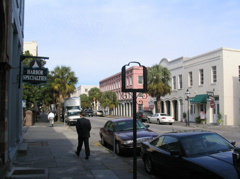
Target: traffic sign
<point>212,104</point>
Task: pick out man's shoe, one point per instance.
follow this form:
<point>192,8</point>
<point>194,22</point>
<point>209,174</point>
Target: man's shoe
<point>77,153</point>
<point>86,158</point>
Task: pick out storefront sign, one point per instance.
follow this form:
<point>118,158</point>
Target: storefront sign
<point>35,74</point>
<point>202,115</point>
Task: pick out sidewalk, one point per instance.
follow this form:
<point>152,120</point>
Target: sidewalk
<point>48,152</point>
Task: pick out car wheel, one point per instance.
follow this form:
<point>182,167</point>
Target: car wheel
<point>103,141</point>
<point>148,165</point>
<point>170,123</point>
<point>148,120</point>
<point>158,121</point>
<point>118,150</point>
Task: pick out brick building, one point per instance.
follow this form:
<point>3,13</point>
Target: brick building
<point>134,80</point>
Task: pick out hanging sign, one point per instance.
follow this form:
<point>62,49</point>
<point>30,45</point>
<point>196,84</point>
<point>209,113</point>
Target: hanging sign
<point>35,74</point>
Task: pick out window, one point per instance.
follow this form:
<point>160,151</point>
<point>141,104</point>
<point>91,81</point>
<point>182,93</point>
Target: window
<point>190,79</point>
<point>192,109</point>
<point>170,143</point>
<point>214,74</point>
<point>140,107</point>
<point>157,142</point>
<point>201,77</point>
<point>180,82</point>
<point>140,80</point>
<point>174,82</point>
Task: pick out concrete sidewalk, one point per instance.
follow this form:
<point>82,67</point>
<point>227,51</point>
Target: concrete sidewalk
<point>48,152</point>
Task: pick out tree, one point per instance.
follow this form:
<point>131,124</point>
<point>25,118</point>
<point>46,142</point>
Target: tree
<point>94,95</point>
<point>63,82</point>
<point>109,99</point>
<point>158,83</point>
<point>85,102</point>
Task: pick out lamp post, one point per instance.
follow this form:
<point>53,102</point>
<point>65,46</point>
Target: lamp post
<point>134,93</point>
<point>187,93</point>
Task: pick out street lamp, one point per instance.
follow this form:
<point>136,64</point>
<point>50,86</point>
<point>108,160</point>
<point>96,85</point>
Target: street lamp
<point>187,93</point>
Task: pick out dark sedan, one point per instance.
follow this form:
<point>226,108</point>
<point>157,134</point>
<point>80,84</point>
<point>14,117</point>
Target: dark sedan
<point>88,112</point>
<point>119,132</point>
<point>195,154</point>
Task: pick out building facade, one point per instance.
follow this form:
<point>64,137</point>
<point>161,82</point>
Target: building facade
<point>83,89</point>
<point>11,46</point>
<point>32,47</point>
<point>213,81</point>
<point>134,80</point>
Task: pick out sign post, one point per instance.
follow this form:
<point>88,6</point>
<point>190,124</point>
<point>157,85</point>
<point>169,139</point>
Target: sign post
<point>134,93</point>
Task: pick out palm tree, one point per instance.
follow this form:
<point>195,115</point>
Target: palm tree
<point>94,95</point>
<point>109,99</point>
<point>158,83</point>
<point>63,82</point>
<point>85,102</point>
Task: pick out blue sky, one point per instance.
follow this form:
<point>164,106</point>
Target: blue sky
<point>97,37</point>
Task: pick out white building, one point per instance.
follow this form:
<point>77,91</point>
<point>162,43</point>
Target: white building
<point>216,72</point>
<point>32,47</point>
<point>83,89</point>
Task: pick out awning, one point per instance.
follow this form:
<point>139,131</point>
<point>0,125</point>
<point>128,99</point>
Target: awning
<point>199,99</point>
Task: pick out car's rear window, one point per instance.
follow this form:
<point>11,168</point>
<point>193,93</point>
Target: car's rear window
<point>148,113</point>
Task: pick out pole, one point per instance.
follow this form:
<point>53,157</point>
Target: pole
<point>188,113</point>
<point>134,137</point>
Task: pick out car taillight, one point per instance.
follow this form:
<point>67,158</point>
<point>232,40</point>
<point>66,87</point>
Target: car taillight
<point>163,118</point>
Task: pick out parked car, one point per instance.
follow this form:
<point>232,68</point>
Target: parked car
<point>194,154</point>
<point>120,133</point>
<point>88,112</point>
<point>98,113</point>
<point>160,118</point>
<point>143,115</point>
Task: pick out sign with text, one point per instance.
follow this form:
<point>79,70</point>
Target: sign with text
<point>35,74</point>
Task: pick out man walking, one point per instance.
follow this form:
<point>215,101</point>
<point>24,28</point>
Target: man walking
<point>51,118</point>
<point>83,127</point>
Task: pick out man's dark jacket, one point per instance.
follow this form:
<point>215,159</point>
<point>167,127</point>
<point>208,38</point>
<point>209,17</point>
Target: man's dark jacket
<point>83,127</point>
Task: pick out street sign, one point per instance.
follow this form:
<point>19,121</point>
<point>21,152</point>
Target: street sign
<point>212,104</point>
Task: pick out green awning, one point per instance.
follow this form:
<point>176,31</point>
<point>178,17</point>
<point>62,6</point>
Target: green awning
<point>199,99</point>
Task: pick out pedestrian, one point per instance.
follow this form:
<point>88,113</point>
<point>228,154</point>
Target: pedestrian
<point>51,118</point>
<point>83,128</point>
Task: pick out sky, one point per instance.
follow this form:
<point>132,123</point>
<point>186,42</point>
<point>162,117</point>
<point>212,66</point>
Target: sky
<point>96,38</point>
